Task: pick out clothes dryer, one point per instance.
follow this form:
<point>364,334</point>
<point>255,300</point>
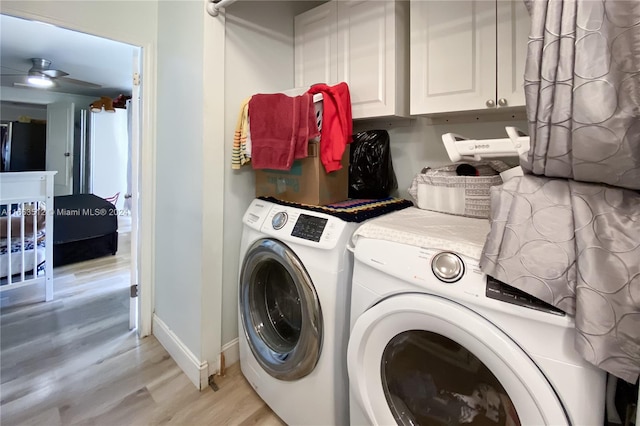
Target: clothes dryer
<point>294,290</point>
<point>435,341</point>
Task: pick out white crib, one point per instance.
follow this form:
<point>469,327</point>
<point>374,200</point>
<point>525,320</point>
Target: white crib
<point>26,230</point>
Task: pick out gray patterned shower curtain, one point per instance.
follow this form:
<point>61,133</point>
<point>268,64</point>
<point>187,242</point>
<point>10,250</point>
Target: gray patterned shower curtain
<point>568,232</point>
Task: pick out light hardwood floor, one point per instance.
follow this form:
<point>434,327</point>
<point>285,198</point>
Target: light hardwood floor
<point>74,361</point>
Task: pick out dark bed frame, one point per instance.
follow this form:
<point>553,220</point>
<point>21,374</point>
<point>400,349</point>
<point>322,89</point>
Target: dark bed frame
<point>85,227</point>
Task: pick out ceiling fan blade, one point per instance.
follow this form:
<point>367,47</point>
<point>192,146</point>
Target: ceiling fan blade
<point>31,86</point>
<point>54,73</point>
<point>79,82</point>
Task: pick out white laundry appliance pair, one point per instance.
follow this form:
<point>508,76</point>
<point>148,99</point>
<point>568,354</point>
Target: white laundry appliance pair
<point>294,291</point>
<point>435,341</point>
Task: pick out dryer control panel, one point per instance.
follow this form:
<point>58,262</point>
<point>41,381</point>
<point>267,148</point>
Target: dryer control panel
<point>505,293</point>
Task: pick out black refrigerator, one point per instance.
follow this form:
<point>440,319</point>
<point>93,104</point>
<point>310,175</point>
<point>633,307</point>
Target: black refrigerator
<point>23,147</point>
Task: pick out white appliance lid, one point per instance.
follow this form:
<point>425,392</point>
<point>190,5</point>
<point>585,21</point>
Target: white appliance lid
<point>424,228</point>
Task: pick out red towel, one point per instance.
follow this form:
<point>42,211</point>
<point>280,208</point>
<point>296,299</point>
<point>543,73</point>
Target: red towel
<point>337,123</point>
<point>281,127</point>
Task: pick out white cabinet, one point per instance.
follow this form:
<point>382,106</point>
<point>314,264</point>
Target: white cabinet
<point>371,53</point>
<point>514,24</point>
<point>316,46</point>
<point>457,61</point>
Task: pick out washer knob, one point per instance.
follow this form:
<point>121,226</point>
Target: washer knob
<point>447,267</point>
<point>279,220</point>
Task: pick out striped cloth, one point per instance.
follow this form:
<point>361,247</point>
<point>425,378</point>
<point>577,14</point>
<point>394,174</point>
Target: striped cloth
<point>239,153</point>
<point>354,210</point>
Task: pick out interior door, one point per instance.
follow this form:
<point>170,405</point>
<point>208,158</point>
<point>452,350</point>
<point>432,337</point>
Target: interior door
<point>423,359</point>
<point>59,156</point>
<point>132,197</point>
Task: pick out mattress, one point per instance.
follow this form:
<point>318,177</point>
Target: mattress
<point>16,258</point>
<point>424,228</point>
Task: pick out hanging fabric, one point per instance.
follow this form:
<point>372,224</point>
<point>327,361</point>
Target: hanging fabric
<point>574,241</point>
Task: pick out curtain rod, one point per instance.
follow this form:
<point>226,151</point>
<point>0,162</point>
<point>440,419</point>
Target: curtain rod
<point>213,7</point>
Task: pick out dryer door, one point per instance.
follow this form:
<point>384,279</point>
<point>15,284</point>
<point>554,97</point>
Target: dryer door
<point>422,359</point>
<point>279,310</point>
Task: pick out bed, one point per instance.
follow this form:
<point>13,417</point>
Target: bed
<point>26,230</point>
<point>86,227</point>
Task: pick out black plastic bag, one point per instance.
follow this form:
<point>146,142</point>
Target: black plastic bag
<point>371,172</point>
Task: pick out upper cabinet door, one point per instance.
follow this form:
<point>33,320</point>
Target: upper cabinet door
<point>315,46</point>
<point>372,56</point>
<point>514,25</point>
<point>453,56</point>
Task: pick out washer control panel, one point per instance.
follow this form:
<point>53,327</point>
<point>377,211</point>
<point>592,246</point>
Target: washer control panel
<point>303,227</point>
<point>309,227</point>
<point>279,220</point>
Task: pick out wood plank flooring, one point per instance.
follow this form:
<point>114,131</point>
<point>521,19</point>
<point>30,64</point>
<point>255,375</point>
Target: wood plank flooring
<point>74,361</point>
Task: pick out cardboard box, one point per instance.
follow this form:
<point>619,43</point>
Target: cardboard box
<point>306,182</point>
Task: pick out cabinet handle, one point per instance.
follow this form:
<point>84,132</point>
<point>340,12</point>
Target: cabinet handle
<point>502,102</point>
<point>490,103</point>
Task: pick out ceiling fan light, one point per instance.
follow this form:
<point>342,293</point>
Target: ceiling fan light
<point>40,81</point>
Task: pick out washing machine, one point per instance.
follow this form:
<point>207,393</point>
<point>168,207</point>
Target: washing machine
<point>435,341</point>
<point>294,289</point>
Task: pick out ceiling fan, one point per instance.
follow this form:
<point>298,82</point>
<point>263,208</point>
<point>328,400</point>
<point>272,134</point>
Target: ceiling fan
<point>42,75</point>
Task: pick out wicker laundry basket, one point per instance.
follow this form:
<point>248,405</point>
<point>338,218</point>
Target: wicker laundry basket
<point>443,190</point>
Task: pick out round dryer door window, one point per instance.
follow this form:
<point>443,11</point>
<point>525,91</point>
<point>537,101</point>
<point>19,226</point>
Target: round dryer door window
<point>280,311</point>
<point>425,360</point>
<point>429,379</point>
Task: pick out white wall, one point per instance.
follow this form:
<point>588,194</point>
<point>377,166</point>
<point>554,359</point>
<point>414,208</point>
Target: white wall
<point>178,161</point>
<point>190,138</point>
<point>258,59</point>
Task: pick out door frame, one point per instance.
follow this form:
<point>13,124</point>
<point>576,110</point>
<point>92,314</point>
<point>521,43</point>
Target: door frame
<point>146,161</point>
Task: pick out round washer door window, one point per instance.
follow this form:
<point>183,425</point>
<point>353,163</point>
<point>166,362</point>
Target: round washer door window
<point>280,311</point>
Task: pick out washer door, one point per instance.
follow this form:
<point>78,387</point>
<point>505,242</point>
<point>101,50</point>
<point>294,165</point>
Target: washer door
<point>422,359</point>
<point>280,311</point>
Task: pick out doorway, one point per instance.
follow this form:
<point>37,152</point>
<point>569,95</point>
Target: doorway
<point>78,84</point>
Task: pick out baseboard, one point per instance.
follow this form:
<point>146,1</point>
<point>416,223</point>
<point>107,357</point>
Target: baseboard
<point>196,371</point>
<point>231,351</point>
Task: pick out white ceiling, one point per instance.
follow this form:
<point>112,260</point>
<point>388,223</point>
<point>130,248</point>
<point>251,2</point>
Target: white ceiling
<point>85,57</point>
